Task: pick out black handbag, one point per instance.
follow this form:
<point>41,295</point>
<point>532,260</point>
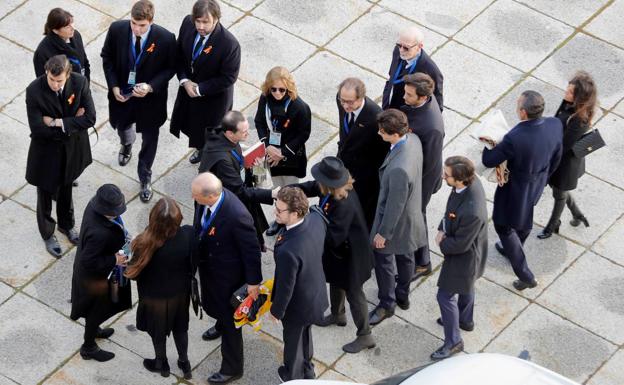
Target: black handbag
<point>588,143</point>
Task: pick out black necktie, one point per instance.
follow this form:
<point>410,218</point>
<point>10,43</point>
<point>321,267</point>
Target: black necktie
<point>137,47</point>
<point>351,120</point>
<point>59,94</point>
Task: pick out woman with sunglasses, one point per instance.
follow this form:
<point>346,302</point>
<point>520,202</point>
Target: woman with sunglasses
<point>283,121</point>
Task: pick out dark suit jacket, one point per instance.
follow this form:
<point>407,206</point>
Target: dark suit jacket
<point>55,157</point>
<point>570,168</point>
<point>532,150</point>
<point>425,64</point>
<point>53,45</point>
<point>215,71</point>
<point>465,244</point>
<point>363,151</point>
<point>228,255</point>
<point>426,122</point>
<point>156,66</point>
<point>299,294</point>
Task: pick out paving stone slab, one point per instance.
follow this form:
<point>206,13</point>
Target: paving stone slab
<point>554,343</point>
<point>34,12</point>
<point>5,292</point>
<point>170,13</point>
<point>514,34</point>
<point>546,259</point>
<point>16,109</point>
<point>607,24</point>
<point>116,8</point>
<point>36,338</point>
<point>125,368</point>
<point>332,375</point>
<point>611,373</point>
<point>573,12</point>
<point>400,346</point>
<point>610,244</point>
<point>177,183</point>
<point>9,6</point>
<point>467,72</point>
<point>584,52</point>
<point>245,5</point>
<point>369,41</point>
<point>606,162</point>
<point>6,381</point>
<point>244,95</point>
<point>599,307</point>
<point>300,17</point>
<point>93,50</point>
<point>454,124</point>
<point>619,109</point>
<point>321,95</point>
<point>13,154</point>
<point>264,46</point>
<point>17,75</point>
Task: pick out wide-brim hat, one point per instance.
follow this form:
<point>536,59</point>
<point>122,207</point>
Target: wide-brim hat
<point>109,201</point>
<point>331,172</point>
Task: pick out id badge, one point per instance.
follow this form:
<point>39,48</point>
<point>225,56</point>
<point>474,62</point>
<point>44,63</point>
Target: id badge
<point>275,139</point>
<point>82,71</point>
<point>242,174</point>
<point>132,78</point>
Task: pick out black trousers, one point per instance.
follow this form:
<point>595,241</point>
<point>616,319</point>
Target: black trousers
<point>357,303</point>
<point>298,351</point>
<point>232,362</point>
<point>562,199</point>
<point>96,316</point>
<point>513,242</point>
<point>149,145</point>
<point>64,210</point>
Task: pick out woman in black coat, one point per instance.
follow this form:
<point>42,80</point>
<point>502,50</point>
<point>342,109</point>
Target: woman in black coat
<point>161,265</point>
<point>348,256</point>
<point>576,113</point>
<point>61,39</point>
<point>102,235</point>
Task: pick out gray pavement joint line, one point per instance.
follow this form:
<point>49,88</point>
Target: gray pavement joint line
<point>602,365</point>
<point>96,9</point>
<point>13,10</point>
<point>583,24</point>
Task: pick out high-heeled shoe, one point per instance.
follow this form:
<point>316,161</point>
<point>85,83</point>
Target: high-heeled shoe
<point>548,231</point>
<point>578,220</point>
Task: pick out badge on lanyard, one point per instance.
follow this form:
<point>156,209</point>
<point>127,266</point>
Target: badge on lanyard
<point>275,138</point>
<point>242,174</point>
<point>132,78</point>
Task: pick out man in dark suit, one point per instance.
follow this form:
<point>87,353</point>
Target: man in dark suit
<point>409,57</point>
<point>299,294</point>
<point>208,61</point>
<point>462,237</point>
<point>138,59</point>
<point>425,120</point>
<point>228,258</point>
<point>532,150</point>
<point>360,148</point>
<point>60,111</point>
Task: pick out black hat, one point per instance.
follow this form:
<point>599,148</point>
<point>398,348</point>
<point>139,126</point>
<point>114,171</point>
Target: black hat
<point>330,172</point>
<point>109,201</point>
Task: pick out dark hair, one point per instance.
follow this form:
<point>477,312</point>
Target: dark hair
<point>296,201</point>
<point>142,10</point>
<point>231,121</point>
<point>202,8</point>
<point>532,103</point>
<point>422,82</point>
<point>462,169</point>
<point>393,121</point>
<point>57,19</point>
<point>57,65</point>
<point>585,96</point>
<point>164,221</point>
<point>354,84</point>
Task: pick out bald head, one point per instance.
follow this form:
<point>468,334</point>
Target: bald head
<point>410,42</point>
<point>206,188</point>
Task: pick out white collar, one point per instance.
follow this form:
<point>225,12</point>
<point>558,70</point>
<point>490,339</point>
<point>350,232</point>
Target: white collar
<point>356,113</point>
<point>216,203</point>
<point>294,224</point>
<point>404,138</point>
<point>460,190</point>
<point>143,36</point>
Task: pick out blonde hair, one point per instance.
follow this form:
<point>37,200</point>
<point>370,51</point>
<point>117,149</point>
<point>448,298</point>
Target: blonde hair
<point>279,73</point>
<point>332,191</point>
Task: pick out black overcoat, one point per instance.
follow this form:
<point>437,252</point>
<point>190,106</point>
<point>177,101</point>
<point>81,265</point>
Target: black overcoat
<point>570,168</point>
<point>156,67</point>
<point>55,157</point>
<point>295,129</point>
<point>215,71</point>
<point>52,45</point>
<point>348,255</point>
<point>100,239</point>
<point>393,93</point>
<point>299,294</point>
<point>228,255</point>
<point>465,245</point>
<point>363,151</point>
<point>427,123</point>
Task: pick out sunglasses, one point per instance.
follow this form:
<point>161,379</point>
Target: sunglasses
<point>405,47</point>
<point>280,90</point>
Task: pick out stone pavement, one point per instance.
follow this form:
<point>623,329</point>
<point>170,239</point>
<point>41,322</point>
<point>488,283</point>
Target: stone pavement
<point>488,50</point>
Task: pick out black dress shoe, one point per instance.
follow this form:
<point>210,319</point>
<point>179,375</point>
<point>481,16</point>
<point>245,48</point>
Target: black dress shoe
<point>71,234</point>
<point>404,304</point>
<point>421,271</point>
<point>445,352</point>
<point>273,229</point>
<point>157,366</point>
<point>146,192</point>
<point>521,285</point>
<point>360,343</point>
<point>499,247</point>
<point>379,314</point>
<point>578,220</point>
<point>218,378</point>
<point>282,374</point>
<point>104,333</point>
<point>97,354</point>
<point>340,320</point>
<point>53,246</point>
<point>185,367</point>
<point>195,157</point>
<point>211,334</point>
<point>548,231</point>
<point>467,327</point>
<point>125,154</point>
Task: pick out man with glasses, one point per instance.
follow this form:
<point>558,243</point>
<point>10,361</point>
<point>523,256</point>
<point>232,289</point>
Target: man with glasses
<point>409,57</point>
<point>360,148</point>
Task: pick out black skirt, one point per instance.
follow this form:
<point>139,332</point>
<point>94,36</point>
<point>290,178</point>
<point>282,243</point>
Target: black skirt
<point>161,316</point>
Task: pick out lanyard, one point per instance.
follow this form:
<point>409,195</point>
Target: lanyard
<point>75,61</point>
<point>238,158</point>
<point>134,55</point>
<point>120,224</point>
<point>198,51</point>
<point>206,222</point>
<point>274,122</point>
<point>395,78</point>
<point>399,144</point>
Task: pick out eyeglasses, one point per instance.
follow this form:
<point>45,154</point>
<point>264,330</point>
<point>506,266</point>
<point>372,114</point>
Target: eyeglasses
<point>278,210</point>
<point>348,102</point>
<point>278,89</point>
<point>405,47</point>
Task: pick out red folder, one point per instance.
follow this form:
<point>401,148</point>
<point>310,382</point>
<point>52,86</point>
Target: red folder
<point>252,153</point>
